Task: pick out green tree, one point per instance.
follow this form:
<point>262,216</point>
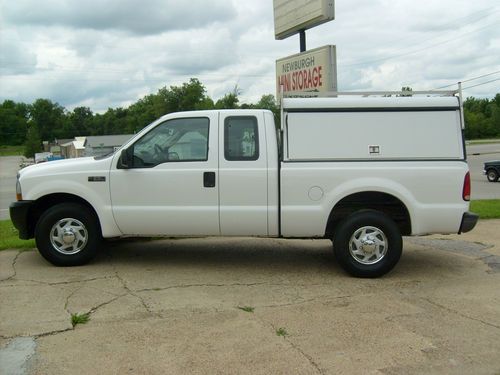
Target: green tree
<point>143,112</point>
<point>482,117</point>
<point>49,118</point>
<point>266,102</point>
<point>33,142</point>
<point>230,100</point>
<point>13,122</point>
<point>190,96</point>
<point>80,122</point>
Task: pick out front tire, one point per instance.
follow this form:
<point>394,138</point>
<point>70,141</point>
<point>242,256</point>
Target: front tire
<point>68,234</point>
<point>367,243</point>
<point>492,175</point>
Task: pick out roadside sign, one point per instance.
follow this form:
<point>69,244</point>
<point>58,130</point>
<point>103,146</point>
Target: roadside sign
<point>312,71</point>
<point>292,16</point>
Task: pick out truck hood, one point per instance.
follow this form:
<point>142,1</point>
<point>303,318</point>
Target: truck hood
<point>66,165</point>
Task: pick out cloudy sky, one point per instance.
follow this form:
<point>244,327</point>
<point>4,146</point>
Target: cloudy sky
<point>109,53</point>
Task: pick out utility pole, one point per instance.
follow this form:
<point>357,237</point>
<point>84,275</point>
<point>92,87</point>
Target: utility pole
<point>302,40</point>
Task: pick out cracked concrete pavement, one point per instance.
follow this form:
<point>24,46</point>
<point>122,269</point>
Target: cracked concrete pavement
<point>174,306</point>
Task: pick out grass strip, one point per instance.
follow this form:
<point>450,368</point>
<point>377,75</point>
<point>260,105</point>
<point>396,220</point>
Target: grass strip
<point>482,141</point>
<point>487,208</point>
<point>9,237</point>
<point>11,150</point>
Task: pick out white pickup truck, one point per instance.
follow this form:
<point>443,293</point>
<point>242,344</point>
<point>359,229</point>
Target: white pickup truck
<point>362,172</point>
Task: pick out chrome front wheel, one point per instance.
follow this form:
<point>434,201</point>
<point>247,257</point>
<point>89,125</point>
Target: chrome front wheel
<point>69,236</point>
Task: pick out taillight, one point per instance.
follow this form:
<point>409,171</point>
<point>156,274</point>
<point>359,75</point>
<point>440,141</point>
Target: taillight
<point>466,191</point>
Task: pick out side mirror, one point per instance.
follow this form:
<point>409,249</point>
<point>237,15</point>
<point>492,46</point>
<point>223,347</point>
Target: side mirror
<point>126,160</point>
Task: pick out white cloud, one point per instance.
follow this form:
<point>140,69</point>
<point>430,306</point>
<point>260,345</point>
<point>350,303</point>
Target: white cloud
<point>14,59</point>
<point>108,54</point>
<point>141,17</point>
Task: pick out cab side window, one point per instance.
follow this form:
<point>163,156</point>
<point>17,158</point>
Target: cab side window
<point>178,140</point>
<point>241,138</point>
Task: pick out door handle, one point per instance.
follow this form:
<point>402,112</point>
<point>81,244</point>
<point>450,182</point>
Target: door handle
<point>209,179</point>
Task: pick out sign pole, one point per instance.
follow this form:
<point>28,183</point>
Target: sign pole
<point>310,71</point>
<point>302,40</point>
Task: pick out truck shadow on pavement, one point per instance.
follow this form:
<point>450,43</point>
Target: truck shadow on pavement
<point>420,255</point>
<point>215,252</point>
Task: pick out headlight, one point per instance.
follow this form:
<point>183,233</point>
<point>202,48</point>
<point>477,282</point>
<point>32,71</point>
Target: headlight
<point>19,193</point>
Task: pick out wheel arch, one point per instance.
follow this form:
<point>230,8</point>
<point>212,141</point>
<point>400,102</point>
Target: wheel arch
<point>45,202</point>
<point>384,202</point>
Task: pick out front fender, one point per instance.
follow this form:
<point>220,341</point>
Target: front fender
<point>97,195</point>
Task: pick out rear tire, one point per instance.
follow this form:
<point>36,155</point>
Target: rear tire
<point>492,175</point>
<point>68,234</point>
<point>367,243</point>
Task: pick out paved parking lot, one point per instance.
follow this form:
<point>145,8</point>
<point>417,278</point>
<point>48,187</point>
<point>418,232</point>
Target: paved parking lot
<point>252,306</point>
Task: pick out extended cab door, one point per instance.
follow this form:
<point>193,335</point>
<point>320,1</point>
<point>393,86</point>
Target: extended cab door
<point>171,184</point>
<point>243,179</point>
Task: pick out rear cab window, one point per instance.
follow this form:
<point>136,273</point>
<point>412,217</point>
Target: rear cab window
<point>241,138</point>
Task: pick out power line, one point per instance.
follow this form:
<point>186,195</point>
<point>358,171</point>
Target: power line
<point>420,49</point>
<point>439,43</point>
<point>484,75</point>
<point>467,80</point>
<point>457,22</point>
<point>480,84</point>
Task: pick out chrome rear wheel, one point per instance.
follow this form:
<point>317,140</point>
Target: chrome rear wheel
<point>368,245</point>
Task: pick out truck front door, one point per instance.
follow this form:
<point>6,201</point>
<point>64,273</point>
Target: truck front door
<point>169,186</point>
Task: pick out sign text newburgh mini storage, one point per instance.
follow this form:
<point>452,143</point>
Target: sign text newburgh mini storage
<point>314,71</point>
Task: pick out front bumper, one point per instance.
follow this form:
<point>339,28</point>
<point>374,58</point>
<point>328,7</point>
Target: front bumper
<point>19,214</point>
<point>469,221</point>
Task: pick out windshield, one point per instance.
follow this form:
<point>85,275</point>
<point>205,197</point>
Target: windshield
<point>100,157</point>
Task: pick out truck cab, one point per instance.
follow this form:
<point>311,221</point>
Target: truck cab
<point>197,174</point>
